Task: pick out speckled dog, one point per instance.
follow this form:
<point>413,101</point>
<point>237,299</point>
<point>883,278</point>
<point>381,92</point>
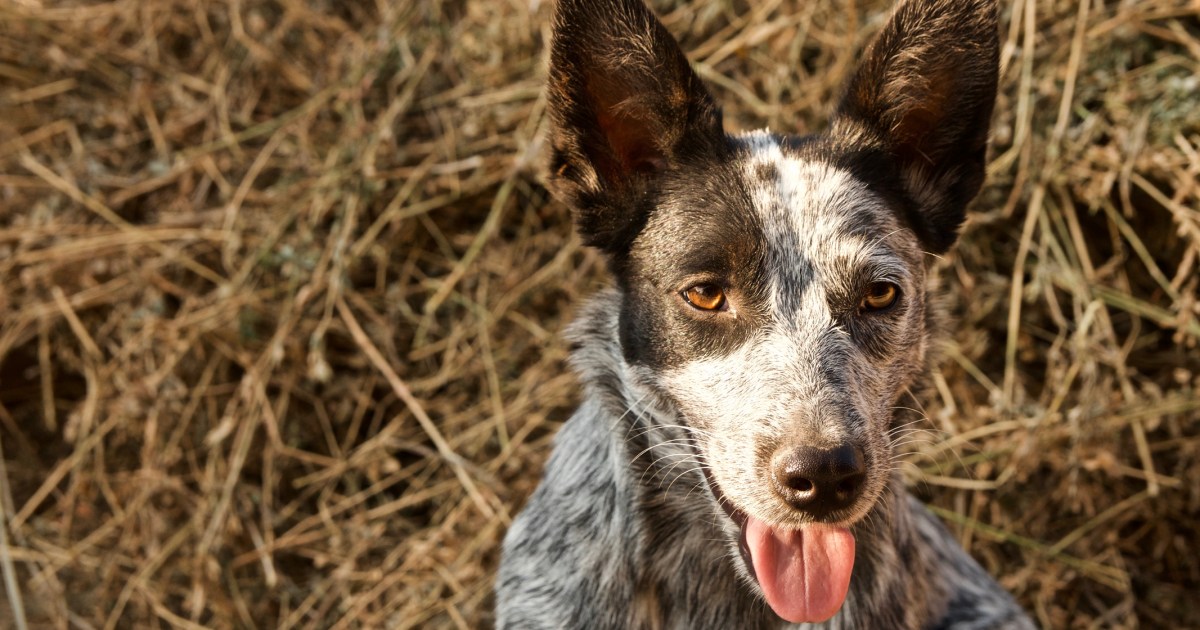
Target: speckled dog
<point>733,462</point>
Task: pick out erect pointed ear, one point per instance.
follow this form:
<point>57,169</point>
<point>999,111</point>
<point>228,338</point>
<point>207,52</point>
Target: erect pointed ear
<point>925,90</point>
<point>624,106</point>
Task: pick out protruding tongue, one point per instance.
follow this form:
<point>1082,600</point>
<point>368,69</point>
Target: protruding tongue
<point>804,573</point>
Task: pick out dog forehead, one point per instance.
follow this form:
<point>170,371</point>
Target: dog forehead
<point>770,216</point>
<point>822,225</point>
<point>806,203</point>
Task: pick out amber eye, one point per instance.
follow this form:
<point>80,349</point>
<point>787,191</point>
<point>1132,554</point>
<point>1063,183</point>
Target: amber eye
<point>880,296</point>
<point>706,297</point>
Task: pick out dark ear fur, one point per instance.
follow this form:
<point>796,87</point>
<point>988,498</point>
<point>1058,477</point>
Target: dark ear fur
<point>925,91</point>
<point>624,106</point>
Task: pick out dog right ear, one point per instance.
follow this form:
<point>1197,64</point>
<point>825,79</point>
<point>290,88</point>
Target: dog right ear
<point>624,106</point>
<point>925,91</point>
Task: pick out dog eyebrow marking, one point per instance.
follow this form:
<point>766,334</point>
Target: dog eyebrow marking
<point>765,172</point>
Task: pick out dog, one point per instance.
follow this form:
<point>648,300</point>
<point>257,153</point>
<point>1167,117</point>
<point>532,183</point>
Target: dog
<point>733,461</point>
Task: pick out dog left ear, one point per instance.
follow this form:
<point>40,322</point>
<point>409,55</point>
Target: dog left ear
<point>625,107</point>
<point>925,91</point>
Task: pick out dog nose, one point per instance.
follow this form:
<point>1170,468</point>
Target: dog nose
<point>817,480</point>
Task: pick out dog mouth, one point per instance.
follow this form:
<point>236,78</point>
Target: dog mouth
<point>804,572</point>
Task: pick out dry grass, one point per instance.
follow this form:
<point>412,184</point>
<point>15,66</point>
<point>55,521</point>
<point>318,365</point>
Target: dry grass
<point>280,298</point>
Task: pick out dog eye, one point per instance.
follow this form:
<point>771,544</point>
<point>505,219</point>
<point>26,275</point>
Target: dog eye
<point>706,297</point>
<point>880,296</point>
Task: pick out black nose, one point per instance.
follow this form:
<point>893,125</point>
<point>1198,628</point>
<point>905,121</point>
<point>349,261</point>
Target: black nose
<point>818,480</point>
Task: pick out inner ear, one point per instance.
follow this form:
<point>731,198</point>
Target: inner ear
<point>628,130</point>
<point>917,120</point>
<point>629,141</point>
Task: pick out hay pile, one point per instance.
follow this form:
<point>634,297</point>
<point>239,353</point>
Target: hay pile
<point>280,303</point>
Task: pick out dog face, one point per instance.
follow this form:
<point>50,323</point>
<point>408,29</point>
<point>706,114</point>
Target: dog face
<point>812,324</point>
<point>772,287</point>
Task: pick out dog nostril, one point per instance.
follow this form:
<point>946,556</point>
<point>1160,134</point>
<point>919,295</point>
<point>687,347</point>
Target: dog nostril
<point>799,484</point>
<point>816,480</point>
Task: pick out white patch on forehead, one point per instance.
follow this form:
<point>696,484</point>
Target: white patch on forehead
<point>813,214</point>
<point>813,199</point>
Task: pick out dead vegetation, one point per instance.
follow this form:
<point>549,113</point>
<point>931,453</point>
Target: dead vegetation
<point>280,298</point>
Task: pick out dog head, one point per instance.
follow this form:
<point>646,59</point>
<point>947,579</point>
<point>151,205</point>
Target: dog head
<point>771,286</point>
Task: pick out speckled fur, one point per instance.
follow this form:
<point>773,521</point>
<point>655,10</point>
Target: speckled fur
<point>625,531</point>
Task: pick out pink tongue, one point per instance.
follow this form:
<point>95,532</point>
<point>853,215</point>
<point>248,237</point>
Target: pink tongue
<point>804,573</point>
